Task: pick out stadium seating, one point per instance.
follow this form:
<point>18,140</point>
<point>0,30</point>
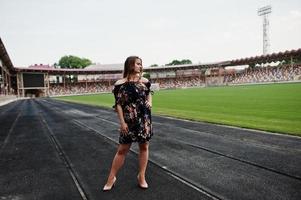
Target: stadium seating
<point>265,74</point>
<point>256,75</point>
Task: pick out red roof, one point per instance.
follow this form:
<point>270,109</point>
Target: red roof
<point>242,61</point>
<point>266,58</point>
<point>41,66</point>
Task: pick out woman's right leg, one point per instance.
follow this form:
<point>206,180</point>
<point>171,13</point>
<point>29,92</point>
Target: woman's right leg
<point>118,161</point>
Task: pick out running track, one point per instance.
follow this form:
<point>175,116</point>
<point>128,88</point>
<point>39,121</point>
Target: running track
<point>51,149</point>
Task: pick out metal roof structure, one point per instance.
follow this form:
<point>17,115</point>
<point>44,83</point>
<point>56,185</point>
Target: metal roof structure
<point>267,58</point>
<point>61,71</point>
<point>118,66</point>
<point>186,66</point>
<point>7,64</point>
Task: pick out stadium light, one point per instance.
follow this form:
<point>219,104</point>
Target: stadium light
<point>265,11</point>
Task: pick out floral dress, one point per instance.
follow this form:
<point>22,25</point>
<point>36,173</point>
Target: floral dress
<point>132,96</point>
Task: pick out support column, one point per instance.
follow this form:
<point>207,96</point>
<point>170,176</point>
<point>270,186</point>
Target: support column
<point>9,85</point>
<point>18,84</point>
<point>22,85</point>
<point>46,84</point>
<point>86,82</point>
<point>64,82</point>
<point>5,83</point>
<point>2,82</point>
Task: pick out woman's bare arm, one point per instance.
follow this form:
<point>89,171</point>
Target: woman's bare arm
<point>149,100</point>
<point>123,126</point>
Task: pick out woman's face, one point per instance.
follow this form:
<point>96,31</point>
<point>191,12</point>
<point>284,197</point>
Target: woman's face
<point>138,66</point>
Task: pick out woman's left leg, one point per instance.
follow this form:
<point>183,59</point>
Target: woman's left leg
<point>143,159</point>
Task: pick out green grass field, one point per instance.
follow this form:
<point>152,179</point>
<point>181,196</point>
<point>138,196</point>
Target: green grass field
<point>274,107</point>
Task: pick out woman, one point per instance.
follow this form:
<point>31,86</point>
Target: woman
<point>133,106</point>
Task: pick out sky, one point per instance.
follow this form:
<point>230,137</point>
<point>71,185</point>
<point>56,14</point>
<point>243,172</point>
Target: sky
<point>158,31</point>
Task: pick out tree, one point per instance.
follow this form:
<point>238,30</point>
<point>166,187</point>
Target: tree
<point>154,65</point>
<point>174,62</point>
<point>186,61</point>
<point>86,62</point>
<point>73,62</point>
<point>178,62</point>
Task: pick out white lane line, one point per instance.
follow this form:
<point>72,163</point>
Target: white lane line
<point>62,155</point>
<point>171,173</point>
<point>10,132</point>
<point>248,141</point>
<point>198,133</point>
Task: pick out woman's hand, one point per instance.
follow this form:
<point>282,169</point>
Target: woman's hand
<point>124,128</point>
<point>148,104</point>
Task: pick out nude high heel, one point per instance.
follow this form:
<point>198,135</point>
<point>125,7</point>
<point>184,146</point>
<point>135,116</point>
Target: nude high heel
<point>141,186</point>
<point>107,188</point>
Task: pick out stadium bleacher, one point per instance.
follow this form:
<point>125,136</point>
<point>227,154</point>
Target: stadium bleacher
<point>268,74</point>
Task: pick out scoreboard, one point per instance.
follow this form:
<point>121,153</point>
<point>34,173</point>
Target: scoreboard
<point>33,80</point>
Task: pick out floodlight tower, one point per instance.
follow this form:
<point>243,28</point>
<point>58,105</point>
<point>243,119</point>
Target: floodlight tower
<point>265,11</point>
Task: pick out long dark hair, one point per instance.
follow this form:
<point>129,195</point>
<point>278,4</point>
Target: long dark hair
<point>129,65</point>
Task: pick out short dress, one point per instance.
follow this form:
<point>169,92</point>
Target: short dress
<point>132,96</point>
